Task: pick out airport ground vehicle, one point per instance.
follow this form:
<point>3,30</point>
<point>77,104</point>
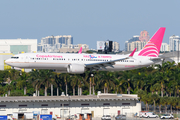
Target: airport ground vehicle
<point>120,117</point>
<point>106,117</point>
<point>167,116</point>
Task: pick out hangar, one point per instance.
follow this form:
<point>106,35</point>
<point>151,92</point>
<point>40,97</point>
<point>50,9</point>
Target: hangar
<point>64,106</point>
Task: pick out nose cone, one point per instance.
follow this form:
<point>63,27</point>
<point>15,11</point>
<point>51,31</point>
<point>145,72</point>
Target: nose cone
<point>7,61</point>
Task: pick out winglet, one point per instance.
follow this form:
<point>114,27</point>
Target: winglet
<point>80,51</point>
<point>131,55</point>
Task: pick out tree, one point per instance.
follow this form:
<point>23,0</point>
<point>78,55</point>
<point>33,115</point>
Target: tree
<point>164,102</point>
<point>59,82</point>
<point>107,80</point>
<point>35,79</point>
<point>46,79</point>
<point>66,78</point>
<point>23,81</point>
<point>126,81</point>
<point>140,93</point>
<point>16,93</point>
<point>2,90</point>
<point>74,80</point>
<point>155,97</point>
<point>145,99</point>
<point>9,88</point>
<point>172,102</point>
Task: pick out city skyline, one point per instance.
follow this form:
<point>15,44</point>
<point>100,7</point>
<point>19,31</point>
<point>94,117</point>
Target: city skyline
<point>88,21</point>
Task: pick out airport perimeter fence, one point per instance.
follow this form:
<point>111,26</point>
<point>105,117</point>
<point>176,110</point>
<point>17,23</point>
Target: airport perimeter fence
<point>131,116</point>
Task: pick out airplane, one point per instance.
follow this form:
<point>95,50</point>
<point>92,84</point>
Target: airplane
<point>78,63</point>
<point>80,51</point>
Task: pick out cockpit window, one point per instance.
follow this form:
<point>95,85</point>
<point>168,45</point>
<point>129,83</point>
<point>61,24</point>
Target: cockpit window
<point>15,57</point>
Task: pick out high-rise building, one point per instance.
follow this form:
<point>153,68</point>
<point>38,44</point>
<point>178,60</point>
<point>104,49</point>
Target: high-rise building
<point>102,45</point>
<point>62,39</point>
<point>73,48</point>
<point>164,47</point>
<point>136,44</point>
<point>137,41</point>
<point>54,43</point>
<point>174,43</point>
<point>116,47</point>
<point>144,36</point>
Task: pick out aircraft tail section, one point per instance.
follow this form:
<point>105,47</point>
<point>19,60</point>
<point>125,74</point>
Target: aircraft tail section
<point>80,51</point>
<point>152,48</point>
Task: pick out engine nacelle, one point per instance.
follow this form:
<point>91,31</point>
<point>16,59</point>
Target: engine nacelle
<point>76,68</point>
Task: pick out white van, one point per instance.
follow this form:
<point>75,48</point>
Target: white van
<point>148,115</point>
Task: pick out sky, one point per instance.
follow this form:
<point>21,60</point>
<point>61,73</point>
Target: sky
<point>88,21</point>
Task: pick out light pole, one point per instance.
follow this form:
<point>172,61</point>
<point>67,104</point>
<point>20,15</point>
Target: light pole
<point>178,51</point>
<point>90,84</point>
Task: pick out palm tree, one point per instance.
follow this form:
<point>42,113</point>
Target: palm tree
<point>126,81</point>
<point>157,87</point>
<point>35,79</point>
<point>145,99</point>
<point>23,81</point>
<point>58,82</point>
<point>164,102</point>
<point>139,80</point>
<point>140,93</point>
<point>155,97</point>
<point>46,78</point>
<point>172,102</point>
<point>9,88</point>
<point>107,79</point>
<point>66,79</point>
<point>74,80</point>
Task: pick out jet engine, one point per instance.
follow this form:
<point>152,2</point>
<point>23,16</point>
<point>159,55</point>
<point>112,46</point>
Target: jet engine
<point>76,68</point>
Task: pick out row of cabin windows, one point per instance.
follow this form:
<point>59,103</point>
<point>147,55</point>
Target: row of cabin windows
<point>58,58</point>
<point>126,61</point>
<point>65,105</point>
<point>79,59</point>
<point>39,58</point>
<point>14,57</point>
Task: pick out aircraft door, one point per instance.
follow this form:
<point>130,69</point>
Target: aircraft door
<point>26,59</point>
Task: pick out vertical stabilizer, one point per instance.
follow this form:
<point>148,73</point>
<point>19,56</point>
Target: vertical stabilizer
<point>131,55</point>
<point>80,51</point>
<point>152,48</point>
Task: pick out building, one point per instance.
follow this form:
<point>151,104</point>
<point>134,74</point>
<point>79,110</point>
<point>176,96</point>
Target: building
<point>174,43</point>
<point>16,46</point>
<point>101,45</point>
<point>128,46</point>
<point>116,46</point>
<point>64,106</point>
<point>52,40</point>
<point>54,43</point>
<point>144,36</point>
<point>3,58</point>
<point>136,44</point>
<point>164,47</point>
<point>73,48</point>
<point>137,41</point>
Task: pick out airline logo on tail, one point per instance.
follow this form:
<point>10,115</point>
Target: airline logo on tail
<point>152,48</point>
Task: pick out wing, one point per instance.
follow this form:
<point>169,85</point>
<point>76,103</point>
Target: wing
<point>104,64</point>
<point>100,65</point>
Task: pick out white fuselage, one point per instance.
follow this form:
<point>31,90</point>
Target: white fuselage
<point>60,61</point>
